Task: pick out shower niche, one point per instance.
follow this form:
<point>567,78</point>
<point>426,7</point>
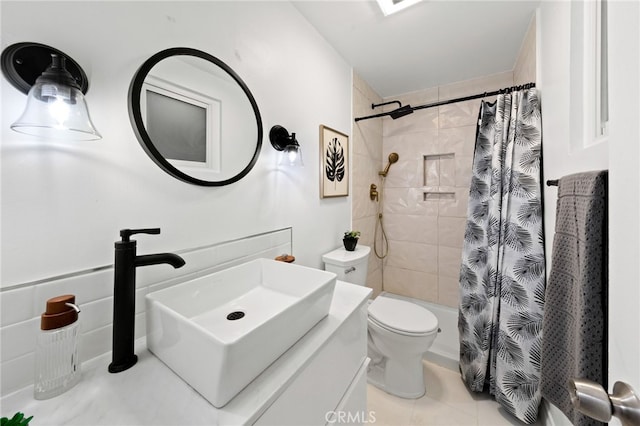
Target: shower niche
<point>439,176</point>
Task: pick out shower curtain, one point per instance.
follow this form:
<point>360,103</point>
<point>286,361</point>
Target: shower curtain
<point>502,276</point>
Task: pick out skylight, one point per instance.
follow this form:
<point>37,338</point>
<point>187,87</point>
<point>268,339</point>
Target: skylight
<point>392,6</point>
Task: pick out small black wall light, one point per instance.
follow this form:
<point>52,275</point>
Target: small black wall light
<point>55,85</point>
<point>281,140</point>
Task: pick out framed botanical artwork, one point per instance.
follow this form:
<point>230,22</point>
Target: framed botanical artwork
<point>334,163</point>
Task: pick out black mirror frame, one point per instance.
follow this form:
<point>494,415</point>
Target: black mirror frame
<point>135,115</point>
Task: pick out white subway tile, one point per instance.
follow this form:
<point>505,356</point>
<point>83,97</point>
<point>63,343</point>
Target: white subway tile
<point>97,314</point>
<point>17,373</point>
<point>232,251</point>
<point>86,288</point>
<point>141,325</point>
<point>17,305</point>
<point>281,237</point>
<point>19,339</point>
<point>259,243</point>
<point>95,342</point>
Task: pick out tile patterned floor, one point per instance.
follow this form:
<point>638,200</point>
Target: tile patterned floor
<point>446,403</point>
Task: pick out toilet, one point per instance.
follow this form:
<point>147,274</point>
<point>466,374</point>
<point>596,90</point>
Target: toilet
<point>400,332</point>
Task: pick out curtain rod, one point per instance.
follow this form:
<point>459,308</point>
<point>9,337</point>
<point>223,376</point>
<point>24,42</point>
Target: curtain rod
<point>452,101</point>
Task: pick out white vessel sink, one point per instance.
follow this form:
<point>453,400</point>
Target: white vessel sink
<point>189,330</point>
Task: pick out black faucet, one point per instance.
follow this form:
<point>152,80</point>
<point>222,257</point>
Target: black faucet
<point>124,294</point>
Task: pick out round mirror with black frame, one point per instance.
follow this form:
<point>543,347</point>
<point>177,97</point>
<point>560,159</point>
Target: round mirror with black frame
<point>195,117</point>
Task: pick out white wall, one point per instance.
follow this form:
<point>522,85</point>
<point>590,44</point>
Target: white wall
<point>567,150</point>
<point>554,84</point>
<point>624,194</point>
<point>63,204</point>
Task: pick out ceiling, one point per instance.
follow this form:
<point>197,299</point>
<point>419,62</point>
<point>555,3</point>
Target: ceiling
<point>432,43</point>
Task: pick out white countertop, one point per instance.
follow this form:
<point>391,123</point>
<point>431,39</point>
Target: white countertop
<point>151,394</point>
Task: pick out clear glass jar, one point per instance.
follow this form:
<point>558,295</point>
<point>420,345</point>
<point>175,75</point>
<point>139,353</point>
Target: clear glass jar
<point>57,366</point>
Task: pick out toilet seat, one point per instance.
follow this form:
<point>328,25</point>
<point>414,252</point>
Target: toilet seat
<point>402,317</point>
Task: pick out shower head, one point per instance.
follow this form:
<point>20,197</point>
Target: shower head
<point>401,112</point>
<point>393,157</point>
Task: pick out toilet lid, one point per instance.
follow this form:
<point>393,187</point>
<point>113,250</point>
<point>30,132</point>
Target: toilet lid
<point>341,257</point>
<point>402,315</point>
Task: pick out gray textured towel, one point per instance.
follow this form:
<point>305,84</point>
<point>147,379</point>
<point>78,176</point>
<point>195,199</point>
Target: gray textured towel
<point>574,342</point>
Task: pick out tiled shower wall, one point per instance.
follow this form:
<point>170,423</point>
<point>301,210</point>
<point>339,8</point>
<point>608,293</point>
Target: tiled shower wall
<point>425,193</point>
<point>366,159</point>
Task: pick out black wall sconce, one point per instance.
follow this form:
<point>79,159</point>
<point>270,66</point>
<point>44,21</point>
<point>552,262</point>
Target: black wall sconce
<point>55,85</point>
<point>281,140</point>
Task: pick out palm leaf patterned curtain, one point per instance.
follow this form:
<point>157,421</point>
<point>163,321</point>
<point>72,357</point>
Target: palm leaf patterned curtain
<point>502,276</point>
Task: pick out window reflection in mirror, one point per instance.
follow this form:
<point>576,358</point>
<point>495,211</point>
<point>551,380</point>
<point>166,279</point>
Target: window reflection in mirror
<point>184,125</point>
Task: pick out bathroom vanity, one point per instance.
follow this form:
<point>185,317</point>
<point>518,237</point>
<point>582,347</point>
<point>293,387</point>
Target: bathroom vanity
<point>321,376</point>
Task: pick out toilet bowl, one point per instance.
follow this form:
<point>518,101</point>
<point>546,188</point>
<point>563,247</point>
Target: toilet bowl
<point>400,332</point>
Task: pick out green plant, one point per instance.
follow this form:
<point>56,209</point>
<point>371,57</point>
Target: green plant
<point>17,420</point>
<point>352,235</point>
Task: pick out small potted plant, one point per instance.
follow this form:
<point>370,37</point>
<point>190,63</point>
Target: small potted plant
<point>350,240</point>
<point>17,420</point>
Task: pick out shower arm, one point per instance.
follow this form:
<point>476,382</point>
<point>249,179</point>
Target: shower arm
<point>384,172</point>
<point>450,101</point>
<point>374,106</point>
<point>389,113</point>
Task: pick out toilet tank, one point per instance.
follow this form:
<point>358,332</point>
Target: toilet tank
<point>349,266</point>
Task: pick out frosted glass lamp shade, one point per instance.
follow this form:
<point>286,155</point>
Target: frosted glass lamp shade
<point>292,156</point>
<point>56,107</point>
<point>57,112</point>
